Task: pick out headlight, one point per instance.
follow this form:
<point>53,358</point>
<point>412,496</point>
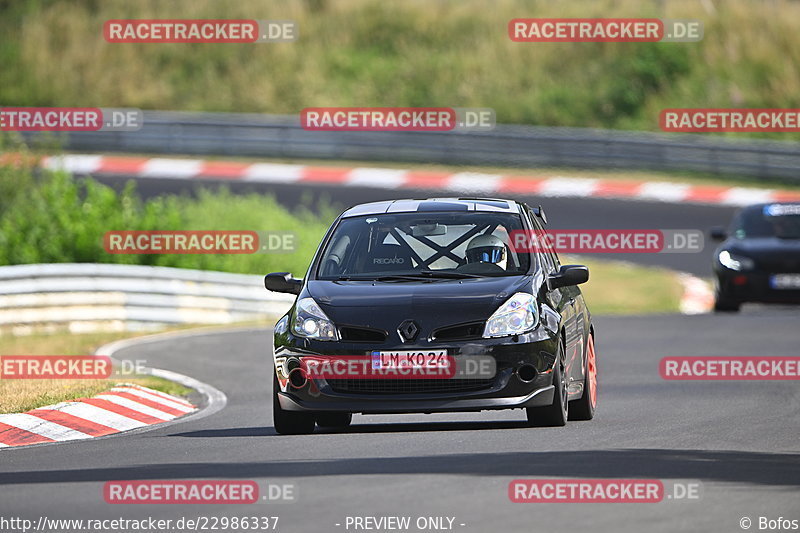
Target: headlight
<point>310,321</point>
<point>516,315</point>
<point>735,262</point>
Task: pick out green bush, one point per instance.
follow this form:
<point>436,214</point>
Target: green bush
<point>222,210</point>
<point>58,219</point>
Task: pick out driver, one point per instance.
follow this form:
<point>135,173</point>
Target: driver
<point>486,249</point>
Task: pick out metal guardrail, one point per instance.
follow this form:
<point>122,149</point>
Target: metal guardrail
<point>90,297</point>
<point>281,136</point>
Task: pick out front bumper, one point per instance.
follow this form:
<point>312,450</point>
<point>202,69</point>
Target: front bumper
<point>753,286</point>
<point>505,390</point>
<point>538,398</point>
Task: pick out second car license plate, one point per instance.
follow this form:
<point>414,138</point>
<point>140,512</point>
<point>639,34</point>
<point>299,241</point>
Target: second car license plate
<point>785,281</point>
<point>410,359</point>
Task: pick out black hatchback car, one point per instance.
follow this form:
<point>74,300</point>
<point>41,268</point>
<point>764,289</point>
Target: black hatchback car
<point>759,258</point>
<point>411,284</point>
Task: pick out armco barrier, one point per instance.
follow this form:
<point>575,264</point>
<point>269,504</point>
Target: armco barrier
<point>281,136</point>
<point>88,297</point>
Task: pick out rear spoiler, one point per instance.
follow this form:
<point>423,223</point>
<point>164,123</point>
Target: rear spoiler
<point>539,212</point>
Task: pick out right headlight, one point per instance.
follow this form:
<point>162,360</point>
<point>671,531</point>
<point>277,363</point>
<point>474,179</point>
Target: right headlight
<point>735,262</point>
<point>517,315</point>
<point>310,321</point>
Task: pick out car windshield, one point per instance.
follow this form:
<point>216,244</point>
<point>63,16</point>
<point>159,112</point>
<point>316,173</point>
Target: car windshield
<point>409,246</point>
<point>774,220</point>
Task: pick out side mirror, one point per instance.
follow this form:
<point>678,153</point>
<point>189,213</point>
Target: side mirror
<point>718,233</point>
<point>283,282</point>
<point>539,212</point>
<point>569,275</point>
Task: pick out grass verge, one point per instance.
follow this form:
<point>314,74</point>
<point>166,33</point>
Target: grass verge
<point>20,395</point>
<point>621,288</point>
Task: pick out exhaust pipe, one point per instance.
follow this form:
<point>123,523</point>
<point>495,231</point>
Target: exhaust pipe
<point>527,373</point>
<point>294,371</point>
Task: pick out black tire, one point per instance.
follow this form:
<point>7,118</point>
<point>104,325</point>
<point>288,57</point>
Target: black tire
<point>289,422</point>
<point>584,408</point>
<point>334,420</point>
<point>722,304</point>
<point>557,413</point>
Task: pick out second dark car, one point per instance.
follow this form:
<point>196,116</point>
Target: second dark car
<point>759,257</point>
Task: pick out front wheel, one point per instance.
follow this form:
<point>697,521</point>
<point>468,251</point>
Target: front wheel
<point>583,408</point>
<point>556,413</point>
<point>289,422</point>
<point>723,304</point>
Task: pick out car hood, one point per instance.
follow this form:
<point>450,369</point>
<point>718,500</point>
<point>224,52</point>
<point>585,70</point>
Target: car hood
<point>384,305</point>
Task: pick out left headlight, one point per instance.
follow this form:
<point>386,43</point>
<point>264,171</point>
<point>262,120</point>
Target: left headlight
<point>735,262</point>
<point>517,315</point>
<point>310,321</point>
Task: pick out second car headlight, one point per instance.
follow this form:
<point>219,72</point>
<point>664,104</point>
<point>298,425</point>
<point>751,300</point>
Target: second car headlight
<point>310,321</point>
<point>517,315</point>
<point>735,262</point>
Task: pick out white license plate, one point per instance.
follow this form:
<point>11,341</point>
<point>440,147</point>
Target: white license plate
<point>410,359</point>
<point>785,281</point>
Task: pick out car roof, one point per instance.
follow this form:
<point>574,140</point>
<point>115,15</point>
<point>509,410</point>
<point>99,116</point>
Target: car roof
<point>754,208</point>
<point>414,205</point>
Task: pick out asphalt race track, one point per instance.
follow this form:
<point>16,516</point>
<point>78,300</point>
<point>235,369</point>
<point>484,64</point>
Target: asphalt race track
<point>739,439</point>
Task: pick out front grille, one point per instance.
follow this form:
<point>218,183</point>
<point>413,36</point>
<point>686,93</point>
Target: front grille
<point>408,386</point>
<point>472,330</point>
<point>779,265</point>
<point>354,334</point>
